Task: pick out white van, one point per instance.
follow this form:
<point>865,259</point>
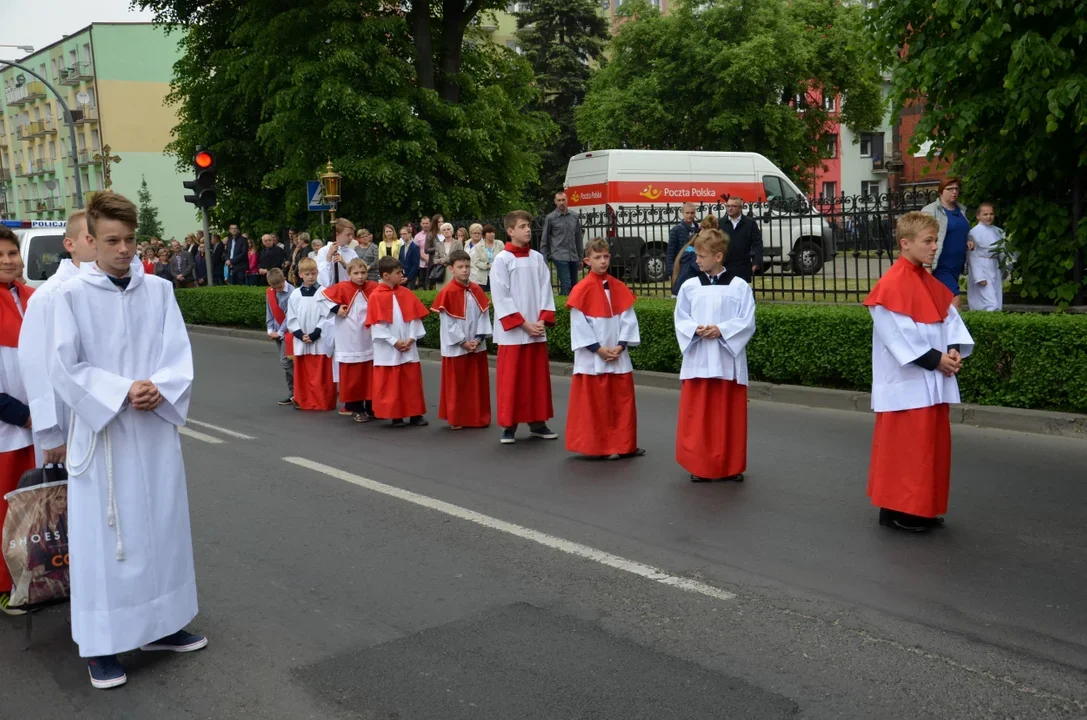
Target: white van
<point>41,243</point>
<point>634,195</point>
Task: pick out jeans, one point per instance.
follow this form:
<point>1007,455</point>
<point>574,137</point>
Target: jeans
<point>287,364</point>
<point>237,275</point>
<point>568,275</point>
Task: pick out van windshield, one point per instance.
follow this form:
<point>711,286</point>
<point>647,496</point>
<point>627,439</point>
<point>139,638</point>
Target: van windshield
<point>44,255</point>
<point>777,189</point>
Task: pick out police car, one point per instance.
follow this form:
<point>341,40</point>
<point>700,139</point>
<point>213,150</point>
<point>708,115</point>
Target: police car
<point>41,243</point>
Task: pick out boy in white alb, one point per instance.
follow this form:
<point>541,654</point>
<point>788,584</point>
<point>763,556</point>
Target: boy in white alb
<point>715,319</point>
<point>308,322</point>
<point>985,285</point>
<point>332,259</point>
<point>395,317</point>
<point>918,344</point>
<point>121,360</point>
<point>354,347</point>
<point>524,307</point>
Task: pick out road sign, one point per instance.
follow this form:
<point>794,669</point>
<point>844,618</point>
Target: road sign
<point>316,196</point>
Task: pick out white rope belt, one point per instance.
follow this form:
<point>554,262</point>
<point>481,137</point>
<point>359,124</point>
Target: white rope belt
<point>77,468</point>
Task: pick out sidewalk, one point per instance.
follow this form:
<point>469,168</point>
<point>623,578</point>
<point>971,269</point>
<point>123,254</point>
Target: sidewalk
<point>1041,422</point>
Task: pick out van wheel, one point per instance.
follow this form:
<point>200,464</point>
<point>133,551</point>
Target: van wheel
<point>653,270</point>
<point>807,257</point>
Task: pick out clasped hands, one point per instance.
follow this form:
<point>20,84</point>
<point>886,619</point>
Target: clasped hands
<point>404,345</point>
<point>950,363</point>
<point>143,395</point>
<point>470,345</point>
<point>610,354</point>
<point>708,331</point>
<point>536,329</point>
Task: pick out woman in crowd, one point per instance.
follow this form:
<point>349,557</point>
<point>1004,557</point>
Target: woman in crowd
<point>299,252</point>
<point>148,260</point>
<point>367,252</point>
<point>317,245</point>
<point>462,237</point>
<point>162,267</point>
<point>200,262</point>
<point>390,243</point>
<point>483,253</point>
<point>953,241</point>
<point>252,277</point>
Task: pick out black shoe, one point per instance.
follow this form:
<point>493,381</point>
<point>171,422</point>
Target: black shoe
<point>738,477</point>
<point>637,452</point>
<point>696,478</point>
<point>509,436</point>
<point>543,432</point>
<point>936,522</point>
<point>287,401</point>
<point>397,423</point>
<point>901,521</point>
<point>419,421</point>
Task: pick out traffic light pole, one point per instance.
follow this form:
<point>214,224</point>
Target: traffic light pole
<point>209,266</point>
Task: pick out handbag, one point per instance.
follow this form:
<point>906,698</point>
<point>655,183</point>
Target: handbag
<point>35,538</point>
<point>436,274</point>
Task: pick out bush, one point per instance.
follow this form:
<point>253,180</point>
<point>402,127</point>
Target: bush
<point>1028,361</point>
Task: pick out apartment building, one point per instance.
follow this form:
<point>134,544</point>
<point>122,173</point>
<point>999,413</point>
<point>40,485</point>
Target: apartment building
<point>114,77</point>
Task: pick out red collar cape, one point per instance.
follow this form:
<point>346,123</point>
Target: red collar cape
<point>518,251</point>
<point>345,292</point>
<point>590,298</point>
<point>453,296</point>
<point>381,305</point>
<point>909,289</point>
<point>11,322</point>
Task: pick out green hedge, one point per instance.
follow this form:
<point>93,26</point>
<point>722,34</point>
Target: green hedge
<point>1027,361</point>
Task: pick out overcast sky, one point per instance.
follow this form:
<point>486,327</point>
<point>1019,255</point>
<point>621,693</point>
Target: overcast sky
<point>42,22</point>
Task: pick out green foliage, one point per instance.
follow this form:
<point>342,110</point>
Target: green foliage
<point>562,41</point>
<point>298,83</point>
<point>147,222</point>
<point>1006,89</point>
<point>720,75</point>
<point>1028,361</point>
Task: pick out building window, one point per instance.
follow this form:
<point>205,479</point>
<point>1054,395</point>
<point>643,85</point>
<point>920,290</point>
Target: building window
<point>829,103</point>
<point>801,101</point>
<point>866,145</point>
<point>870,188</point>
<point>73,58</point>
<point>830,190</point>
<point>832,146</point>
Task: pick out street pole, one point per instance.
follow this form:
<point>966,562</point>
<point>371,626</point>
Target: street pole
<point>209,266</point>
<point>71,128</point>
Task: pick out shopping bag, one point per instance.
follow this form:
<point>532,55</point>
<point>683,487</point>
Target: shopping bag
<point>35,538</point>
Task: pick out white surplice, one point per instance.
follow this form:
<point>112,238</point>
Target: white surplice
<point>898,340</point>
<point>130,544</point>
<point>327,275</point>
<point>983,264</point>
<point>306,314</point>
<point>454,331</point>
<point>351,340</point>
<point>732,309</point>
<point>13,437</point>
<point>385,334</point>
<point>606,332</point>
<point>520,285</point>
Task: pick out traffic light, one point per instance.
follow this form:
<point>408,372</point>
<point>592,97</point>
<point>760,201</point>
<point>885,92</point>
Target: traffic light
<point>203,187</point>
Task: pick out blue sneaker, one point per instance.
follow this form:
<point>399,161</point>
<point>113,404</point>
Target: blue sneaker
<point>106,672</point>
<point>509,436</point>
<point>543,432</point>
<point>179,642</point>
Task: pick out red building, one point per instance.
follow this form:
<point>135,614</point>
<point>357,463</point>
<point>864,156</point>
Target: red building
<point>916,172</point>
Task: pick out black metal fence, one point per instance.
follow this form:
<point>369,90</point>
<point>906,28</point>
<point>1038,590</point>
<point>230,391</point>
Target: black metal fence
<point>814,249</point>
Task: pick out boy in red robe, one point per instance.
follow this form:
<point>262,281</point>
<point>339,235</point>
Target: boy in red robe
<point>395,317</point>
<point>603,419</point>
<point>314,388</point>
<point>16,440</point>
<point>524,307</point>
<point>918,344</point>
<point>466,325</point>
<point>354,347</point>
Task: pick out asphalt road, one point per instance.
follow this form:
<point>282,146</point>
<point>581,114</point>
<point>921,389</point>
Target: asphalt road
<point>427,574</point>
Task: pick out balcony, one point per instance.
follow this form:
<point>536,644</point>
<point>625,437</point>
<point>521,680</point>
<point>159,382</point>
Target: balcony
<point>5,175</point>
<point>85,114</point>
<point>85,157</point>
<point>22,170</point>
<point>37,128</point>
<point>4,141</point>
<point>47,204</point>
<point>79,73</point>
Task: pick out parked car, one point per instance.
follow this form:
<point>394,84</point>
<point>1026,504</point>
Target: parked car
<point>41,244</point>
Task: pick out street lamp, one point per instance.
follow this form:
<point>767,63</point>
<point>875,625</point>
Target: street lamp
<point>25,48</point>
<point>330,183</point>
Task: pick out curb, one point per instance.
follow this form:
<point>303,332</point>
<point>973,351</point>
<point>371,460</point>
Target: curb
<point>1038,422</point>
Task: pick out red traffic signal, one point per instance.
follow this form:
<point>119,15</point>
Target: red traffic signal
<point>204,159</point>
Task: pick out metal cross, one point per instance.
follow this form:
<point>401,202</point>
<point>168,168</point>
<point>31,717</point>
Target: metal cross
<point>104,159</point>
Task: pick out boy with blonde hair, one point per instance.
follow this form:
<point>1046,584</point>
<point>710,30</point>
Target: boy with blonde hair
<point>918,344</point>
<point>275,319</point>
<point>347,303</point>
<point>314,388</point>
<point>985,284</point>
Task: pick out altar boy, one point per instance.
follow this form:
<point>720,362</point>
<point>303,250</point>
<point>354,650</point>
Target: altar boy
<point>395,317</point>
<point>465,326</point>
<point>918,344</point>
<point>602,420</point>
<point>347,303</point>
<point>314,388</point>
<point>715,319</point>
<point>122,362</point>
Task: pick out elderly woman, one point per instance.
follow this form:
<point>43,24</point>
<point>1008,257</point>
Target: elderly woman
<point>953,241</point>
<point>440,247</point>
<point>483,252</point>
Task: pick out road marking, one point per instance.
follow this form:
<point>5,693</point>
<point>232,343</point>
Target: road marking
<point>224,431</point>
<point>199,436</point>
<point>557,543</point>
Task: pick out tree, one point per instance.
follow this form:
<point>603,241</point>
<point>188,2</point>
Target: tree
<point>276,89</point>
<point>562,40</point>
<point>147,223</point>
<point>1004,86</point>
<point>725,74</point>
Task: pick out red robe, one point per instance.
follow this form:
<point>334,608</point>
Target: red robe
<point>465,398</point>
<point>397,389</point>
<point>356,378</point>
<point>711,435</point>
<point>910,469</point>
<point>602,417</point>
<point>313,385</point>
<point>14,462</point>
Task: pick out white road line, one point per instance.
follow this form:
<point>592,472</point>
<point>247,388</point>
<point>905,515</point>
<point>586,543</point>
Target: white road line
<point>572,548</point>
<point>224,431</point>
<point>199,436</point>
